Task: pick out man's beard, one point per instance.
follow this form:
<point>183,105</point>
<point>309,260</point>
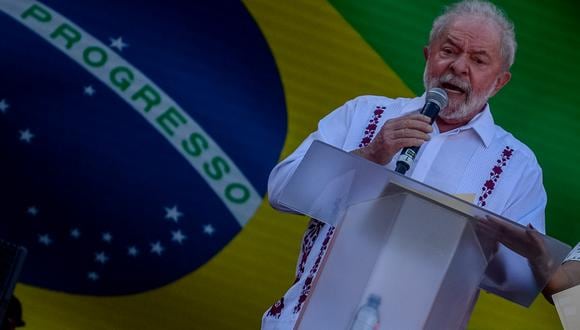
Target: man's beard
<point>456,111</point>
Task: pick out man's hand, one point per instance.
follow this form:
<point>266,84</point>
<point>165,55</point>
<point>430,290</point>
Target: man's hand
<point>410,130</point>
<point>527,242</point>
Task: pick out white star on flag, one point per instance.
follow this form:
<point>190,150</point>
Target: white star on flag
<point>32,210</point>
<point>157,248</point>
<point>89,90</point>
<point>178,236</point>
<point>118,43</point>
<point>208,229</point>
<point>4,106</point>
<point>26,135</point>
<point>101,257</point>
<point>132,251</point>
<point>75,233</point>
<point>107,237</point>
<point>92,276</point>
<point>44,239</point>
<point>173,213</point>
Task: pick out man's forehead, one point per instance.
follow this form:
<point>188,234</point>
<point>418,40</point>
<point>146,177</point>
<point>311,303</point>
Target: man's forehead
<point>475,46</point>
<point>476,33</point>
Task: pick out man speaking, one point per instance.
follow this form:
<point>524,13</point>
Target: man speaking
<point>471,49</point>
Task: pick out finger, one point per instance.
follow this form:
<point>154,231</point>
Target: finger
<point>535,236</point>
<point>412,123</point>
<point>408,142</point>
<point>418,116</point>
<point>487,222</point>
<point>405,133</point>
<point>411,116</point>
<point>414,117</point>
<point>485,229</point>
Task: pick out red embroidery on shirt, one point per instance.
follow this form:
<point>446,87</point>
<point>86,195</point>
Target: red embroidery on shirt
<point>308,240</point>
<point>494,175</point>
<point>308,283</point>
<point>276,309</point>
<point>307,243</point>
<point>371,128</point>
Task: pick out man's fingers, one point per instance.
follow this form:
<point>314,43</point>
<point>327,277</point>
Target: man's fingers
<point>408,142</point>
<point>410,130</point>
<point>418,116</point>
<point>407,133</point>
<point>535,237</point>
<point>410,123</point>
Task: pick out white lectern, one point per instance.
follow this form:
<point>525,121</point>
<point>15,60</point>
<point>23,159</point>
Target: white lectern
<point>414,247</point>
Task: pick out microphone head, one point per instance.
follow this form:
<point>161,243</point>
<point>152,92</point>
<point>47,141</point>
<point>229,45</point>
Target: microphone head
<point>437,96</point>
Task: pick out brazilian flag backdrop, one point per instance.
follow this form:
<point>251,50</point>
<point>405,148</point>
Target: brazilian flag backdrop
<point>136,138</point>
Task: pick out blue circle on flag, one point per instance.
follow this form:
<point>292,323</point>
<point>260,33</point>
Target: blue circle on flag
<point>103,202</point>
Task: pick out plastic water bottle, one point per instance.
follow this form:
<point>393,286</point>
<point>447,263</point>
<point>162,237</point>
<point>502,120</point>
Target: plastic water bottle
<point>367,317</point>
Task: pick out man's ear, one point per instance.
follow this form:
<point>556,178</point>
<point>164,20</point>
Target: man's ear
<point>501,81</point>
<point>426,52</point>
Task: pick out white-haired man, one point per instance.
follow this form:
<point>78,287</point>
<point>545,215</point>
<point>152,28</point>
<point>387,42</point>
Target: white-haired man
<point>471,48</point>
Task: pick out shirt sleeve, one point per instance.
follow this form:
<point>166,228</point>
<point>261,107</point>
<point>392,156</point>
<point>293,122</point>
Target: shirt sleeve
<point>526,206</point>
<point>332,129</point>
<point>528,202</point>
<point>574,255</point>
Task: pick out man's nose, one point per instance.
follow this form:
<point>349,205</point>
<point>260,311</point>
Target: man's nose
<point>460,65</point>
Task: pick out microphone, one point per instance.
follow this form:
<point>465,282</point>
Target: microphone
<point>435,101</point>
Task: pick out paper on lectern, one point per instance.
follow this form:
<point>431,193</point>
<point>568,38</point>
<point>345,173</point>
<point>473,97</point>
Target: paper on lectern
<point>567,303</point>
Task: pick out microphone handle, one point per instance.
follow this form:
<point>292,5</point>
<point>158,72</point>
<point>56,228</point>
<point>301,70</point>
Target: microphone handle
<point>406,158</point>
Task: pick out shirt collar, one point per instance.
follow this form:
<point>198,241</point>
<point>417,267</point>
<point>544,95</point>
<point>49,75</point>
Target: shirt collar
<point>483,125</point>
